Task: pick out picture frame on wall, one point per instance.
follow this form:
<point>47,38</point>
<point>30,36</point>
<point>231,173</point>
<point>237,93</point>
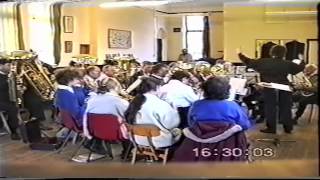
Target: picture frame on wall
<point>119,39</point>
<point>68,47</point>
<point>68,24</point>
<point>84,49</point>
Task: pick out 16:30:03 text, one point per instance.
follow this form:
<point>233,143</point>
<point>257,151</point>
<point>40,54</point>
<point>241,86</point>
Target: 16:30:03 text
<point>234,152</point>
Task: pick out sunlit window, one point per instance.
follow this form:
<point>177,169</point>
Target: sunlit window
<point>194,36</point>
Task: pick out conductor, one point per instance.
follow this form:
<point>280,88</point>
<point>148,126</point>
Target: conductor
<point>275,70</point>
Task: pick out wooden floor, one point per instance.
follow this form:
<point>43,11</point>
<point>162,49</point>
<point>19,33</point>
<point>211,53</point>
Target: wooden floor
<point>291,159</point>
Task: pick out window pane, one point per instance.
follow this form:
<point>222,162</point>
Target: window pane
<point>195,44</point>
<point>194,23</point>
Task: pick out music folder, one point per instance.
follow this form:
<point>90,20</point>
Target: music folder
<point>282,87</point>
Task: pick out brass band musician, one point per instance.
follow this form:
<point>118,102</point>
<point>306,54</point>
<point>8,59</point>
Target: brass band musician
<point>307,91</point>
<point>5,104</point>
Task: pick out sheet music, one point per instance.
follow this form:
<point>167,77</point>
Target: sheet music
<point>238,85</point>
<point>275,86</point>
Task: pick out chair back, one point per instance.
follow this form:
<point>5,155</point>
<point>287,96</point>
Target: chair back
<point>146,130</point>
<point>69,122</point>
<point>106,127</point>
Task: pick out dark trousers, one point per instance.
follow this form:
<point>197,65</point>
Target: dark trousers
<point>34,104</point>
<point>282,101</point>
<point>183,113</point>
<point>12,112</point>
<point>255,112</point>
<point>303,102</point>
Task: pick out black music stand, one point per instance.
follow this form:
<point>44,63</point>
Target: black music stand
<point>276,140</point>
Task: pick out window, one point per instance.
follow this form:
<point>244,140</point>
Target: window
<point>194,35</point>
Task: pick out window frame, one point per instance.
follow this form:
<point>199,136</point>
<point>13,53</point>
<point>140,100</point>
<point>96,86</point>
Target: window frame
<point>187,31</point>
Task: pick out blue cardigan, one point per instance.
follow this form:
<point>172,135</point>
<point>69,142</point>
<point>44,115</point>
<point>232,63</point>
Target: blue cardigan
<point>215,110</point>
<point>68,101</point>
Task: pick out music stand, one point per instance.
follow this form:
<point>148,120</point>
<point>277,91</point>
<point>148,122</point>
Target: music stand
<point>277,87</point>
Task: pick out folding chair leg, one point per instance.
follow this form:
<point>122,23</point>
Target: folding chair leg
<point>311,113</point>
<point>74,140</point>
<point>134,155</point>
<point>65,142</point>
<point>78,148</point>
<point>107,146</point>
<point>165,157</point>
<point>5,123</point>
<point>89,156</point>
<point>127,152</point>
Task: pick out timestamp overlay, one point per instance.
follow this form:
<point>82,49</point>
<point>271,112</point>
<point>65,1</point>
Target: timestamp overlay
<point>255,152</point>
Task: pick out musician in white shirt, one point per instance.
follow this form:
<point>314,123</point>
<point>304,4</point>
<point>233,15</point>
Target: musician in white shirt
<point>179,94</point>
<point>148,108</point>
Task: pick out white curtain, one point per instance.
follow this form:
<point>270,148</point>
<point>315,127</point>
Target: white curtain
<point>8,27</point>
<point>41,34</point>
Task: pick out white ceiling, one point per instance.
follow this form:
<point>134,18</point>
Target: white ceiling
<point>199,5</point>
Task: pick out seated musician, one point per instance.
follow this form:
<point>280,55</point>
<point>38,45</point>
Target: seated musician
<point>307,92</point>
<point>148,108</point>
<point>160,73</point>
<point>92,77</point>
<point>108,70</point>
<point>5,102</point>
<point>216,107</point>
<point>179,94</point>
<point>107,101</point>
<point>66,98</point>
<point>145,71</point>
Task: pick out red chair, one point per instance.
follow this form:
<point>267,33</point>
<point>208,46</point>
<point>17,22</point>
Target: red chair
<point>106,128</point>
<point>70,123</point>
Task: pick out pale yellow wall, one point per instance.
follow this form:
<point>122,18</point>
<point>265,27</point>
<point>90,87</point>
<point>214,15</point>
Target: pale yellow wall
<point>174,38</point>
<point>216,34</point>
<point>81,34</point>
<point>243,25</point>
<point>139,21</point>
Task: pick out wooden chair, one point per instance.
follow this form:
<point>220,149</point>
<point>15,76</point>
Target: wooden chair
<point>150,151</point>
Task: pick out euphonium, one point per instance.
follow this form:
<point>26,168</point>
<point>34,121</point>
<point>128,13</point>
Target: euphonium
<point>306,83</point>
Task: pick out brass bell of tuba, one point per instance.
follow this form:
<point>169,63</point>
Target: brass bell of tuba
<point>27,69</point>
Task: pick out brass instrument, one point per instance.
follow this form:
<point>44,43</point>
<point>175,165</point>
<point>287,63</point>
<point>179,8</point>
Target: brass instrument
<point>26,69</point>
<point>307,84</point>
<point>16,87</point>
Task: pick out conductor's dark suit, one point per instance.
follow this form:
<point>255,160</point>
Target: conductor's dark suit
<point>294,48</point>
<point>276,71</point>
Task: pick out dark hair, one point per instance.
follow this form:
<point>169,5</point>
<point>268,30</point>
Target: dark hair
<point>216,88</point>
<point>147,84</point>
<point>156,68</point>
<point>66,75</point>
<point>106,85</point>
<point>145,63</point>
<point>179,75</point>
<point>3,61</point>
<point>278,51</point>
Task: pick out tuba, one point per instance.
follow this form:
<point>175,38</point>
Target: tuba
<point>27,69</point>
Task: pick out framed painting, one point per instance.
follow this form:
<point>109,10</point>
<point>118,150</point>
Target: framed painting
<point>119,39</point>
<point>67,24</point>
<point>68,46</point>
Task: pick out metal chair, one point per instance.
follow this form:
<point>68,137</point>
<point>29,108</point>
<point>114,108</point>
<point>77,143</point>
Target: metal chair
<point>104,127</point>
<point>4,121</point>
<point>71,125</point>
